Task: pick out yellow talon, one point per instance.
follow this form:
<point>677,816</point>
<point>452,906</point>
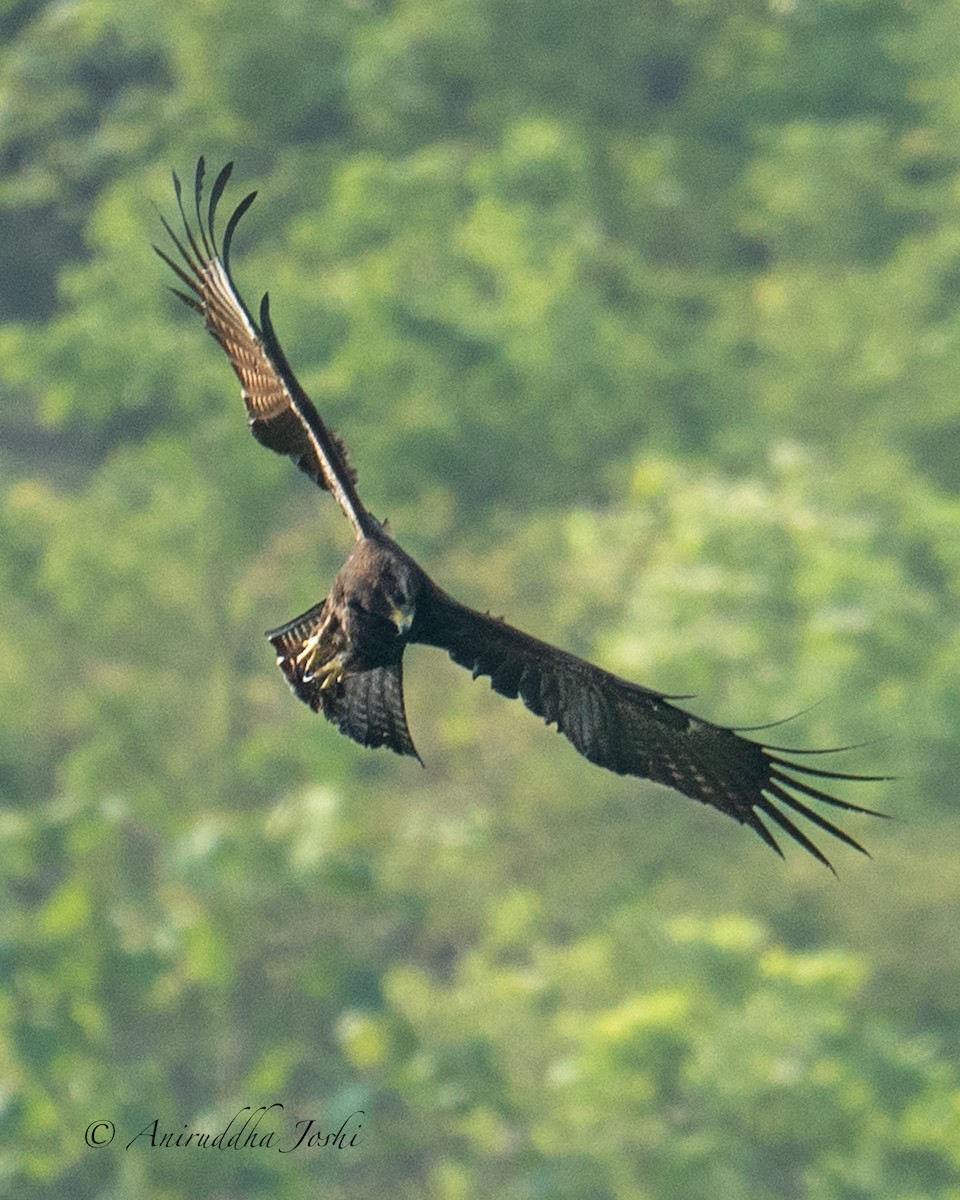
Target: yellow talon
<point>328,674</point>
<point>309,651</point>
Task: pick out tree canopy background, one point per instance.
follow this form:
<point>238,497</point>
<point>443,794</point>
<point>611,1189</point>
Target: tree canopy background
<point>641,324</point>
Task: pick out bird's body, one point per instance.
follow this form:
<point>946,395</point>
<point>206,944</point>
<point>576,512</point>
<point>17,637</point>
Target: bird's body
<point>344,656</point>
<point>369,612</point>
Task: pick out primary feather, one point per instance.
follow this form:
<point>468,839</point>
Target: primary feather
<point>280,414</point>
<point>632,730</point>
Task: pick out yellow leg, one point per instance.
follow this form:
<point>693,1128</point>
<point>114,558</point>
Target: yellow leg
<point>329,674</point>
<point>311,647</point>
<point>309,651</point>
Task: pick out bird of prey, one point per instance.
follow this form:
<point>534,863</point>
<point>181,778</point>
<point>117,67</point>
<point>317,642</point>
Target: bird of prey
<point>344,657</point>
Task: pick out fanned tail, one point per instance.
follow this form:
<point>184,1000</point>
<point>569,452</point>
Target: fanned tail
<point>367,707</point>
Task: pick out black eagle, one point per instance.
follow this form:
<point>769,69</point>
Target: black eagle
<point>344,657</point>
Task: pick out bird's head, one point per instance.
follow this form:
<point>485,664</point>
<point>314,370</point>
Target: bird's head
<point>400,593</point>
<point>380,579</point>
<point>397,588</point>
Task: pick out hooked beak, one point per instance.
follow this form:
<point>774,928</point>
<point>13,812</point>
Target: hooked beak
<point>403,619</point>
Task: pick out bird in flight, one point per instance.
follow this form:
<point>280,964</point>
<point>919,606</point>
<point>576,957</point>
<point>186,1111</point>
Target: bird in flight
<point>344,656</point>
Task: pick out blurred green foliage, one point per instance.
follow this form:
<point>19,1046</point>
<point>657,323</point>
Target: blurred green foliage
<point>640,323</point>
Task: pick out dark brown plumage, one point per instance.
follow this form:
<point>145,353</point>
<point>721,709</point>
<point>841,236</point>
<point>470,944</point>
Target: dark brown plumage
<point>344,656</point>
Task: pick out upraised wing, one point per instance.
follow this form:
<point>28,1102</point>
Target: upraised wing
<point>280,414</point>
<point>632,730</point>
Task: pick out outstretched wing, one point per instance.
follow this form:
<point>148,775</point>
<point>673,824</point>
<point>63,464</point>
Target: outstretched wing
<point>280,414</point>
<point>367,707</point>
<point>632,730</point>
